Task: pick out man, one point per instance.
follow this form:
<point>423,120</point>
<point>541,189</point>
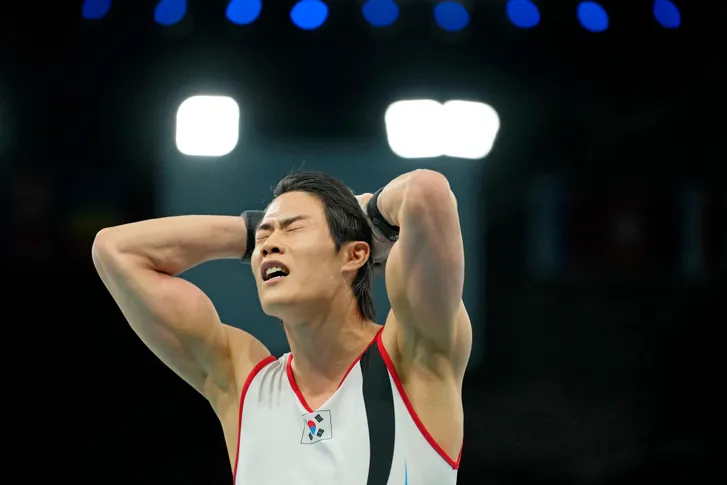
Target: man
<point>360,403</point>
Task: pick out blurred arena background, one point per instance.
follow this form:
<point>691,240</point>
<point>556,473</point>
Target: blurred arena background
<point>582,139</point>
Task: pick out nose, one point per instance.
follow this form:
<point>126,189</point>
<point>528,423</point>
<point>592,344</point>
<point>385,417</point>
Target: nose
<point>270,248</point>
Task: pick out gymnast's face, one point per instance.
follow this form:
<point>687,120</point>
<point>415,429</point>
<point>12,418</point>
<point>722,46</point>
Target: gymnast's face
<point>295,263</point>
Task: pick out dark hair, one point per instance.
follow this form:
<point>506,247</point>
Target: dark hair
<point>346,222</point>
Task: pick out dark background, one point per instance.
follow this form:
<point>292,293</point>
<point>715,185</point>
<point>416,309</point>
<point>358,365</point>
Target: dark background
<point>600,362</point>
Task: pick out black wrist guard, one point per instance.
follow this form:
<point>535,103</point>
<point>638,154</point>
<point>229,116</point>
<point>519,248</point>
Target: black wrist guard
<point>252,220</point>
<point>387,230</point>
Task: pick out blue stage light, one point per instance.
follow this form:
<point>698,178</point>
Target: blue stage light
<point>523,13</point>
<point>169,12</point>
<point>95,9</point>
<point>309,14</point>
<point>592,16</point>
<point>451,16</point>
<point>243,12</point>
<point>380,13</point>
<point>667,14</point>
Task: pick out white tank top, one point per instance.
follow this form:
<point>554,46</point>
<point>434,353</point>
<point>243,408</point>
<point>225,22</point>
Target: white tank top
<point>282,440</point>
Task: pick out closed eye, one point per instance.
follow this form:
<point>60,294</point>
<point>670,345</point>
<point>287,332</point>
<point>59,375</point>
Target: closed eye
<point>261,236</point>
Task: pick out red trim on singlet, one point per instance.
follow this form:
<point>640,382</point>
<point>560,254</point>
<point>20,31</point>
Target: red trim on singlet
<point>422,429</point>
<point>255,370</point>
<point>291,377</point>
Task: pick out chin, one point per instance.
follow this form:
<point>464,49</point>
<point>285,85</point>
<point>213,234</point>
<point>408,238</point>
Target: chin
<point>286,309</point>
<point>285,313</point>
<point>278,305</point>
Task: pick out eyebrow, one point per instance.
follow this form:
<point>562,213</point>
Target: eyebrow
<point>268,226</point>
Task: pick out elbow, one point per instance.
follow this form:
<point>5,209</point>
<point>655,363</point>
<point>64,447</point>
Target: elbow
<point>428,189</point>
<point>100,248</point>
<point>108,256</point>
<point>102,242</point>
<point>104,248</point>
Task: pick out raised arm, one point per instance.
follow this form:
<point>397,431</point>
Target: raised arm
<point>425,269</point>
<point>139,264</point>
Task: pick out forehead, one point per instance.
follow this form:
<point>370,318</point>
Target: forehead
<point>294,204</point>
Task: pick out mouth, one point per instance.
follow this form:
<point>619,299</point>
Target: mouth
<point>272,271</point>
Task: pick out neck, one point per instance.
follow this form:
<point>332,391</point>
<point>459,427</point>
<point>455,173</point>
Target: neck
<point>325,346</point>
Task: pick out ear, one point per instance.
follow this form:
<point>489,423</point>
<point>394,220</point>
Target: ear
<point>355,254</point>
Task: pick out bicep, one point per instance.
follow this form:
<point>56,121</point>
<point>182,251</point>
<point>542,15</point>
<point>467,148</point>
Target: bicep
<point>175,319</point>
<point>425,270</point>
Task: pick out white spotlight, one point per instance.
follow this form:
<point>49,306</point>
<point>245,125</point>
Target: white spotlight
<point>413,128</point>
<point>426,128</point>
<point>470,129</point>
<point>208,126</point>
